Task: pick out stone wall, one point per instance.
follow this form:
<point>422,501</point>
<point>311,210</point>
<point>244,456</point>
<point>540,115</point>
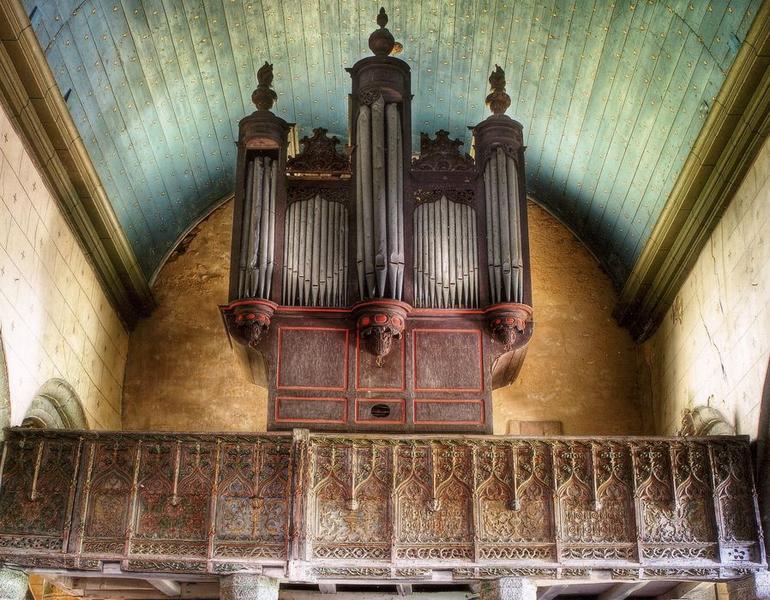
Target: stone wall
<point>713,345</point>
<point>181,373</point>
<point>55,320</point>
<point>581,368</point>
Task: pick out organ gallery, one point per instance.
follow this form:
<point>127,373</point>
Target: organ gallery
<point>300,351</point>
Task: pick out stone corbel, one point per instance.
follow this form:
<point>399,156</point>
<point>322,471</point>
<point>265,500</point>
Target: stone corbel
<point>379,323</point>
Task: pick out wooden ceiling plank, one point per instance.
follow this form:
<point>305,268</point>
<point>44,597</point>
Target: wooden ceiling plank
<point>554,23</point>
<point>626,94</point>
<point>614,46</point>
<point>577,91</point>
<point>671,249</point>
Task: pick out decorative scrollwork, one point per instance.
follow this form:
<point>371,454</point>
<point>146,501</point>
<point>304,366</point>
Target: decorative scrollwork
<point>441,154</point>
<point>319,155</point>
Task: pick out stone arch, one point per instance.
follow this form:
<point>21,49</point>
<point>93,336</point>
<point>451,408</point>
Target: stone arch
<point>5,392</point>
<point>56,406</point>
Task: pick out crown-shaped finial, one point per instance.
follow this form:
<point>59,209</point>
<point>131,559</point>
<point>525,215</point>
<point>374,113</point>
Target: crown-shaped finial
<point>497,99</point>
<point>381,42</point>
<point>264,97</point>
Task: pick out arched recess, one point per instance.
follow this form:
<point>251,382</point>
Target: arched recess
<point>5,392</point>
<point>56,406</point>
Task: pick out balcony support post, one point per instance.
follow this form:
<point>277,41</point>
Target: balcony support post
<point>13,584</point>
<point>242,586</point>
<point>508,588</point>
<point>754,587</point>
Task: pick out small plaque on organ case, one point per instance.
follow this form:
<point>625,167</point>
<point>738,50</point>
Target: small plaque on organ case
<point>312,358</point>
<point>448,360</point>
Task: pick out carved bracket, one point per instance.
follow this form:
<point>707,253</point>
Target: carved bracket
<point>248,321</point>
<point>508,324</point>
<point>379,323</point>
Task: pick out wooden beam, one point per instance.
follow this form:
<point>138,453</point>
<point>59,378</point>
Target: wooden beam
<point>29,93</point>
<point>690,589</point>
<point>168,587</point>
<point>550,592</point>
<point>620,591</point>
<point>735,130</point>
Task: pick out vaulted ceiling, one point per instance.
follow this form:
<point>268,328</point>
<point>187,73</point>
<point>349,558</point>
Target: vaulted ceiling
<point>612,93</point>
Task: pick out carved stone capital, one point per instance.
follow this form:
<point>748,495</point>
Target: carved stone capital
<point>508,324</point>
<point>248,320</point>
<point>508,588</point>
<point>243,586</point>
<point>379,323</point>
<point>13,584</point>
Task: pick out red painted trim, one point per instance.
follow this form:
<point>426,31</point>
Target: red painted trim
<point>477,332</point>
<point>344,387</point>
<point>378,421</point>
<point>311,309</point>
<point>278,419</point>
<point>380,303</point>
<point>402,343</point>
<point>478,401</point>
<point>250,302</point>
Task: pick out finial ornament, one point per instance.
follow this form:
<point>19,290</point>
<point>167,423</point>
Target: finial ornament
<point>497,100</point>
<point>381,42</point>
<point>264,96</point>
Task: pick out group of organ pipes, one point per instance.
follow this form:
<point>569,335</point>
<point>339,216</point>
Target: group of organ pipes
<point>385,247</point>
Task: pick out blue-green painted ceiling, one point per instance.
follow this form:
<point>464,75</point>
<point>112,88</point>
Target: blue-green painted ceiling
<point>612,94</point>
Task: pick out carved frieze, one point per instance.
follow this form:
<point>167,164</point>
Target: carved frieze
<point>396,505</point>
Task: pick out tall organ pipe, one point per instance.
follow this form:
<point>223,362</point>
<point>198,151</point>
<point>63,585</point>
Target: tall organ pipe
<point>257,243</point>
<point>445,261</point>
<point>379,200</point>
<point>316,232</point>
<point>504,251</point>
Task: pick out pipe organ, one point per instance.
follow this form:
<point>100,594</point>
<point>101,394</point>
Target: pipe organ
<point>372,289</point>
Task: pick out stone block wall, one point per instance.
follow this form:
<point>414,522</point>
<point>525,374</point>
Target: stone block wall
<point>55,320</point>
<point>714,343</point>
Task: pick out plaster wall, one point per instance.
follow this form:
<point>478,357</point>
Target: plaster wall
<point>55,320</point>
<point>713,346</point>
<point>581,367</point>
<point>181,373</point>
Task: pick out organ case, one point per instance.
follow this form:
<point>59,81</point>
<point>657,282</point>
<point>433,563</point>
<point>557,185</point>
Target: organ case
<point>371,290</point>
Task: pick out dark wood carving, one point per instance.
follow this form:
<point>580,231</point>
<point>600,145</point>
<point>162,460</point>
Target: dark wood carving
<point>380,506</point>
<point>319,155</point>
<point>441,154</point>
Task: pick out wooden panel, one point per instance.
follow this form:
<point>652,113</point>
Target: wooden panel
<point>312,358</point>
<point>449,412</point>
<point>380,411</point>
<point>448,360</point>
<point>310,410</point>
<point>391,375</point>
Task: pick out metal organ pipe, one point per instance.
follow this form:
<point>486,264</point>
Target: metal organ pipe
<point>316,241</point>
<point>379,197</point>
<point>504,253</point>
<point>445,262</point>
<point>257,246</point>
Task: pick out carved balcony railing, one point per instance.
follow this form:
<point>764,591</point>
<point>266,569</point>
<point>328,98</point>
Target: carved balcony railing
<point>341,507</point>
